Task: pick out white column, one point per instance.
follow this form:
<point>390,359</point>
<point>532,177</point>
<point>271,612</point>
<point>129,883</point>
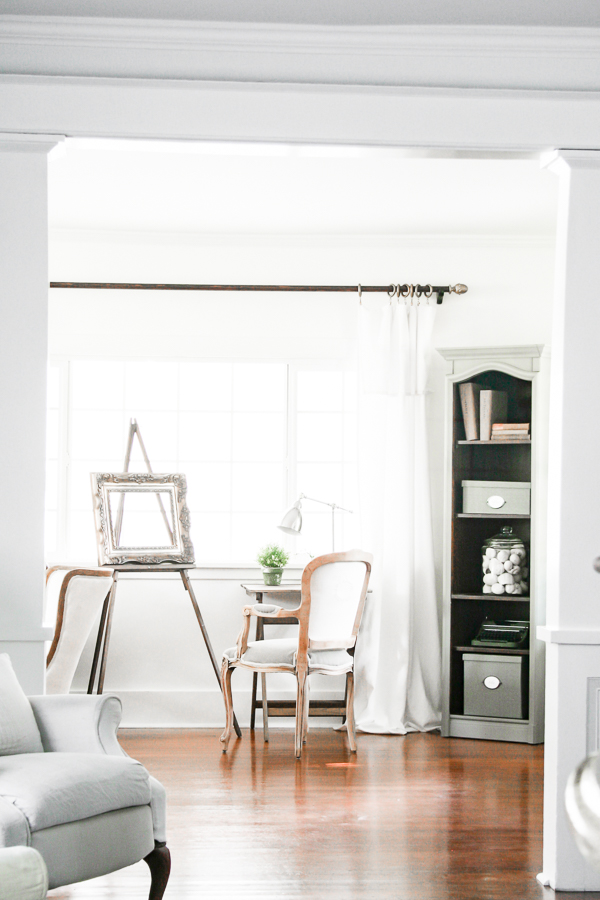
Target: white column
<point>572,631</point>
<point>23,367</point>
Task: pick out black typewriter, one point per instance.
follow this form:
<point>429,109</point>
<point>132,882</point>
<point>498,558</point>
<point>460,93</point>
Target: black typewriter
<point>509,633</point>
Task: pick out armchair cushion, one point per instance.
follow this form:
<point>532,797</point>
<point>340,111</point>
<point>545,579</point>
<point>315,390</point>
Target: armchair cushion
<point>70,723</point>
<point>18,729</point>
<point>282,652</point>
<point>55,788</point>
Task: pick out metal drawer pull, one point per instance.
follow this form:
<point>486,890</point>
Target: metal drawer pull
<point>492,682</point>
<point>495,501</point>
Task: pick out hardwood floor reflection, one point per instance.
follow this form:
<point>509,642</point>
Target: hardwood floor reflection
<point>415,818</point>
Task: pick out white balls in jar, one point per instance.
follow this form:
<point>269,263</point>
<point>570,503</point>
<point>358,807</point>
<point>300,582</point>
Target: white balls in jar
<point>505,571</point>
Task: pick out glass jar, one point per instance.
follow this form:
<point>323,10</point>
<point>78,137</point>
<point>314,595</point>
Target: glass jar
<point>505,564</point>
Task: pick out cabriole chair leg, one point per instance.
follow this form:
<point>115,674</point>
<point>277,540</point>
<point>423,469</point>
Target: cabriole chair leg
<point>300,700</point>
<point>159,863</point>
<point>226,673</point>
<point>305,711</point>
<point>350,726</point>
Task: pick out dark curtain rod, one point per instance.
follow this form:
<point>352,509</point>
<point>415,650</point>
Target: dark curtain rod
<point>400,290</point>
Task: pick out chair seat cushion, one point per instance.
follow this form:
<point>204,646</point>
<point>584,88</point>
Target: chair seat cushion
<point>282,652</point>
<point>54,788</point>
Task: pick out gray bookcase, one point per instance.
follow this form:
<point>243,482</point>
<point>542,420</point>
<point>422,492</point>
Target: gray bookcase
<point>523,373</point>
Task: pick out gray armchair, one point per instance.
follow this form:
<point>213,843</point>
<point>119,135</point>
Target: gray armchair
<point>87,807</point>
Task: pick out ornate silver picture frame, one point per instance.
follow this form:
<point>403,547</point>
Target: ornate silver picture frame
<point>141,518</point>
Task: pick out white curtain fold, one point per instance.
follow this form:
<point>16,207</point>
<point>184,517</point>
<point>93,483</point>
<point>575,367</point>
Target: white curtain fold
<point>398,657</point>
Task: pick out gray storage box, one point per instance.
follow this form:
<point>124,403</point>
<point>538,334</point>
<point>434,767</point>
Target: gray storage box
<point>502,497</point>
<point>493,686</point>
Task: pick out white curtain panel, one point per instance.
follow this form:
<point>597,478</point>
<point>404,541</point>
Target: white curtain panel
<point>398,657</point>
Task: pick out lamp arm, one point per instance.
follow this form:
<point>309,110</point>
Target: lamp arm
<point>325,503</point>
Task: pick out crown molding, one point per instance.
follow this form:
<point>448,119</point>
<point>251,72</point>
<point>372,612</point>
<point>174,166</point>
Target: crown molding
<point>293,240</point>
<point>535,58</point>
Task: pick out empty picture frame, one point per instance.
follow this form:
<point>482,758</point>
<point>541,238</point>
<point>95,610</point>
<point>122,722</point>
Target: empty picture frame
<point>141,518</point>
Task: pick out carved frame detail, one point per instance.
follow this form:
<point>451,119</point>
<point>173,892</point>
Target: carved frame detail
<point>182,551</point>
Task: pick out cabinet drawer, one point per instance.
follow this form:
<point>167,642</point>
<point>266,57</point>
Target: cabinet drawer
<point>494,686</point>
<point>503,497</point>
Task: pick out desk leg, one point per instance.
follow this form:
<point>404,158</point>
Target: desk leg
<point>109,615</point>
<point>265,705</point>
<point>257,637</point>
<point>260,636</point>
<point>188,586</point>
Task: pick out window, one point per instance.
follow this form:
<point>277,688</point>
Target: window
<point>250,436</point>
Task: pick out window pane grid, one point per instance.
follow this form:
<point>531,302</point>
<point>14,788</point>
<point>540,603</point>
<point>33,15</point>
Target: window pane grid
<point>246,434</point>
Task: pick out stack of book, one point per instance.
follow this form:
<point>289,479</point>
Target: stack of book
<point>511,431</point>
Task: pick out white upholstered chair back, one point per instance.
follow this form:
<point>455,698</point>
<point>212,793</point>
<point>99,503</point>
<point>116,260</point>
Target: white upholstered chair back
<point>336,590</point>
<point>80,600</point>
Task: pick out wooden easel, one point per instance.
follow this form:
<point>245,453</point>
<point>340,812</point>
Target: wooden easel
<point>104,629</point>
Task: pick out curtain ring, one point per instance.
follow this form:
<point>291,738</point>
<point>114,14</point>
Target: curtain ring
<point>360,294</point>
<point>428,291</point>
<point>404,293</point>
<point>391,292</point>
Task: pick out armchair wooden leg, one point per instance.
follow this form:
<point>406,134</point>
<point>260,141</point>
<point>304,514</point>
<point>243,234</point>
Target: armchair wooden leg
<point>226,673</point>
<point>300,699</point>
<point>159,863</point>
<point>350,725</point>
<point>305,711</point>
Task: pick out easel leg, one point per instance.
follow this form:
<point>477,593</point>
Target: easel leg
<point>109,615</point>
<point>188,586</point>
<point>98,646</point>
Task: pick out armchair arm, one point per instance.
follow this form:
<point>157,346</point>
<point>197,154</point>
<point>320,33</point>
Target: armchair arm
<point>72,723</point>
<point>262,611</point>
<point>23,874</point>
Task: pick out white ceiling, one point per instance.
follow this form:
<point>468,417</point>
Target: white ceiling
<point>281,189</point>
<point>579,13</point>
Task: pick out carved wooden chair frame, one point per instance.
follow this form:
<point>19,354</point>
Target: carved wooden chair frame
<point>302,613</point>
<point>60,612</point>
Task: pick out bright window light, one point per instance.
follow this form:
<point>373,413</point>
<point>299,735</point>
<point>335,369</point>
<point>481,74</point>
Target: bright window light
<point>248,435</point>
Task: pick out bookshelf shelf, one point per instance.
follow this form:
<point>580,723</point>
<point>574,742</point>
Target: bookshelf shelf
<point>465,605</point>
<point>492,516</point>
<point>494,598</point>
<point>494,443</point>
<point>500,651</point>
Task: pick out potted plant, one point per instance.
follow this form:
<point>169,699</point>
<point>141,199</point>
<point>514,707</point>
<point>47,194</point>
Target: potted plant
<point>273,560</point>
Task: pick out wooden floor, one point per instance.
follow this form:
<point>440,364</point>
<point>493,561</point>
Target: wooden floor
<point>411,818</point>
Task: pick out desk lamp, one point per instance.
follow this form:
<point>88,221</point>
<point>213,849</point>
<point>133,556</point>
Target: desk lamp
<point>292,520</point>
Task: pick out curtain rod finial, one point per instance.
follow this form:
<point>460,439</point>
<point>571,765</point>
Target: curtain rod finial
<point>458,288</point>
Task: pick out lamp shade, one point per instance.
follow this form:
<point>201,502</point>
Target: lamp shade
<point>292,520</point>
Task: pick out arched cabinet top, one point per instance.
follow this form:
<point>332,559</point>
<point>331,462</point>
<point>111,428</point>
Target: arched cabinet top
<point>519,361</point>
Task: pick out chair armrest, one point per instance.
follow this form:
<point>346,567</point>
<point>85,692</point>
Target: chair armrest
<point>72,723</point>
<point>262,611</point>
<point>23,874</point>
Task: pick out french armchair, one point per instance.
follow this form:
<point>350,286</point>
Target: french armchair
<point>334,588</point>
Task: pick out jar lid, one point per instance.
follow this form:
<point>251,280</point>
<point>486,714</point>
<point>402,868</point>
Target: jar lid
<point>504,538</point>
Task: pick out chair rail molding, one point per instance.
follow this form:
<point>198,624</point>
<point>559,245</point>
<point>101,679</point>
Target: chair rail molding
<point>514,57</point>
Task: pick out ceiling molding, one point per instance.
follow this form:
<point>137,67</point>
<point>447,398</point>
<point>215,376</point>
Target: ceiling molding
<point>136,236</point>
<point>513,57</point>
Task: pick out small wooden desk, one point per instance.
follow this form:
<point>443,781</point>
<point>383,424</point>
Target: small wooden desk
<point>103,639</point>
<point>290,590</point>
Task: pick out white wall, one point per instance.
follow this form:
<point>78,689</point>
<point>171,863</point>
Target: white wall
<point>158,663</point>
